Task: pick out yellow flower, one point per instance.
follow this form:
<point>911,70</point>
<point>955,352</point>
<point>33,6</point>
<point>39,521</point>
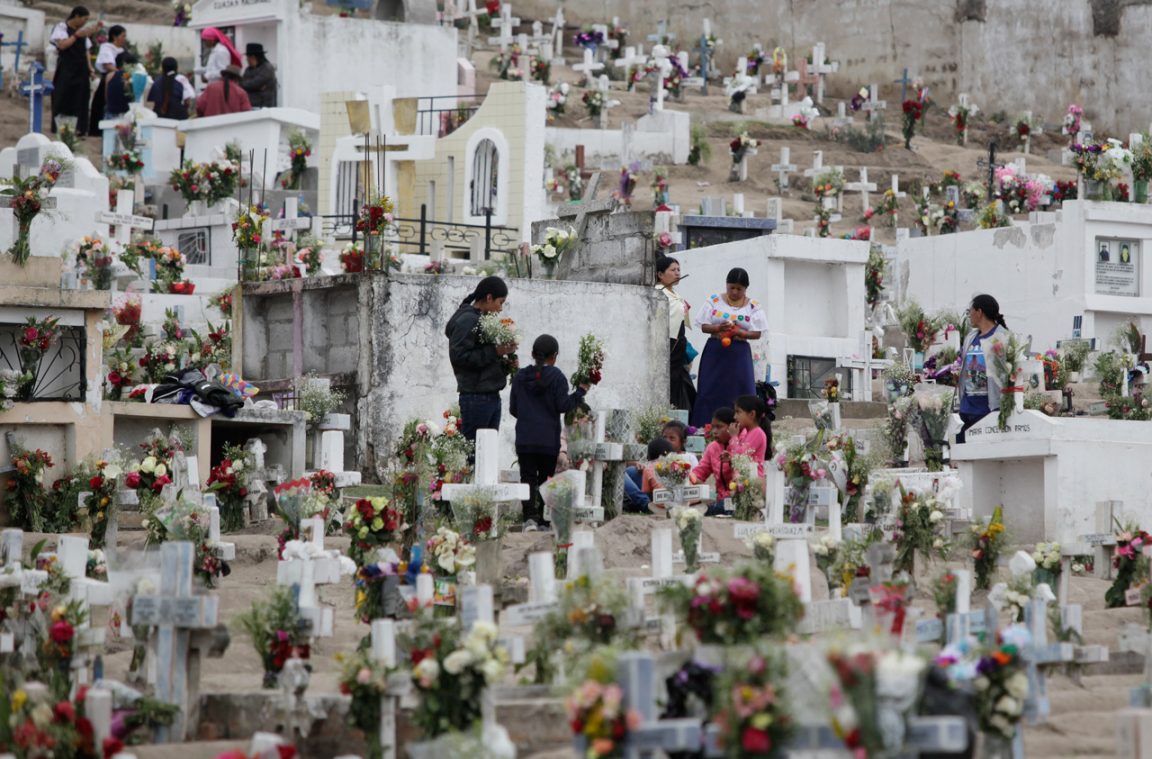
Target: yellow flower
<point>19,698</point>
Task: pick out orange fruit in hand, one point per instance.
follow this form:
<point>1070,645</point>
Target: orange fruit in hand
<point>727,341</point>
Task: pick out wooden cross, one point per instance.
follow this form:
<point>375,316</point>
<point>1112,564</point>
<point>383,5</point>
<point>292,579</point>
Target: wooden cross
<point>174,612</point>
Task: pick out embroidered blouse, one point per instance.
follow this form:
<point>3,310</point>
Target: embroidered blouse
<point>716,311</point>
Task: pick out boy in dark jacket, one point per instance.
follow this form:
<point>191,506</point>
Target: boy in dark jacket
<point>478,366</point>
<point>539,397</point>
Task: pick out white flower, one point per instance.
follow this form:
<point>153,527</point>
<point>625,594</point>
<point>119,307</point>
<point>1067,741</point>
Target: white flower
<point>935,516</point>
<point>1002,725</point>
<point>161,470</point>
<point>548,252</point>
<point>493,670</point>
<point>148,465</point>
<point>112,471</point>
<point>426,671</point>
<point>981,683</point>
<point>456,661</point>
<point>998,596</point>
<point>1017,685</point>
<point>938,543</point>
<point>1008,705</point>
<point>347,566</point>
<point>1043,593</point>
<point>820,549</point>
<point>1021,564</point>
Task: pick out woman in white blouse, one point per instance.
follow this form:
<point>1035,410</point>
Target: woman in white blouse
<point>730,319</point>
<point>221,53</point>
<point>682,394</point>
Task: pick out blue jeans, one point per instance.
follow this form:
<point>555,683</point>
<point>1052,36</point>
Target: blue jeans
<point>635,499</point>
<point>479,411</point>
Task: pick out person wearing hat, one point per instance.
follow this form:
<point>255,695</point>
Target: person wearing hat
<point>259,79</point>
<point>225,95</point>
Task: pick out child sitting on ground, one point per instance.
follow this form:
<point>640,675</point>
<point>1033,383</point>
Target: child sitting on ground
<point>713,464</point>
<point>638,495</point>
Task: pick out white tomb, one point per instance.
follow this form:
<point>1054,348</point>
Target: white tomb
<point>805,285</point>
<point>1049,473</point>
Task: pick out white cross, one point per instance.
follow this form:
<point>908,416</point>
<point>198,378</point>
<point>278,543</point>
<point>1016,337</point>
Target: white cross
<point>662,35</point>
<point>896,187</point>
<point>1033,129</point>
<point>603,88</point>
<point>784,167</point>
<point>506,23</point>
<point>558,34</point>
<point>123,219</point>
<point>317,567</point>
<point>863,187</point>
<point>541,593</point>
<point>384,651</point>
<point>486,475</point>
<point>821,68</point>
<point>663,68</point>
<point>72,553</point>
<point>174,611</point>
<point>817,165</point>
<point>589,67</point>
<point>629,59</point>
<point>874,103</point>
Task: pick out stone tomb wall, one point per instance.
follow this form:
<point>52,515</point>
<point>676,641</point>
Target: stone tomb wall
<point>389,330</point>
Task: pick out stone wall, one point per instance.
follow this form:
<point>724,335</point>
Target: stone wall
<point>615,247</point>
<point>1011,55</point>
<point>390,332</point>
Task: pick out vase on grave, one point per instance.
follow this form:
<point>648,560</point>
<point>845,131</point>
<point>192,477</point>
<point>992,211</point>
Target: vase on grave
<point>489,569</point>
<point>1140,191</point>
<point>549,269</point>
<point>995,747</point>
<point>1097,190</point>
<point>197,208</point>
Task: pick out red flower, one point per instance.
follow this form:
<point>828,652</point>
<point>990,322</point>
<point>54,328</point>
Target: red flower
<point>160,482</point>
<point>482,526</point>
<point>132,480</point>
<point>112,746</point>
<point>30,334</point>
<point>61,632</point>
<point>65,711</point>
<point>418,655</point>
<point>755,741</point>
<point>96,482</point>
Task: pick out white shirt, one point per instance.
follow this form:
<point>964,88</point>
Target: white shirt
<point>61,32</point>
<point>749,317</point>
<point>218,60</point>
<point>189,90</point>
<point>677,311</point>
<point>106,58</point>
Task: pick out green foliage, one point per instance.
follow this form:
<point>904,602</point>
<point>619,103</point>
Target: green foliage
<point>316,401</point>
<point>700,151</point>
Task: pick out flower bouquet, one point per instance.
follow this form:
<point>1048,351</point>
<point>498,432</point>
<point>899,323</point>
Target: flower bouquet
<point>919,330</point>
<point>934,410</point>
<point>229,481</point>
<point>665,242</point>
<point>556,243</point>
<point>920,521</point>
<point>1048,568</point>
<point>598,718</point>
<point>827,551</point>
<point>559,496</point>
<point>763,546</point>
<point>299,150</point>
<point>452,552</point>
<point>126,161</point>
<point>1129,562</point>
<point>93,255</point>
<point>373,598</point>
<point>944,594</point>
<point>593,100</point>
<point>375,217</point>
<point>35,339</point>
<point>494,330</point>
<point>591,361</point>
<point>372,524</point>
<point>689,524</point>
<point>747,489</point>
<point>365,679</point>
<point>25,495</point>
<point>188,522</point>
<point>740,147</point>
<point>961,115</point>
<point>672,470</point>
<point>752,713</point>
<point>738,606</point>
<point>985,542</point>
<point>450,671</point>
<point>28,197</point>
<point>277,631</point>
<point>1007,360</point>
<point>475,516</point>
<point>100,502</point>
<point>352,258</point>
<point>914,109</point>
<point>170,272</point>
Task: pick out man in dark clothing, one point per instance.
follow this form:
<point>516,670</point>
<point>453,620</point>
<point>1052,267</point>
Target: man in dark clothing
<point>539,396</point>
<point>259,79</point>
<point>479,366</point>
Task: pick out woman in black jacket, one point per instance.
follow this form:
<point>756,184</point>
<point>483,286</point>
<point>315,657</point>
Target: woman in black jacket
<point>479,366</point>
<point>539,397</point>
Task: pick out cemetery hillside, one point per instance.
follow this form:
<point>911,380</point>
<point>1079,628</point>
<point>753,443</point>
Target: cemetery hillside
<point>469,378</point>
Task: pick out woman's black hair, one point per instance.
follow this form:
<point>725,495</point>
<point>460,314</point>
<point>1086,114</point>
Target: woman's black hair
<point>658,447</point>
<point>724,415</point>
<point>681,430</point>
<point>988,306</point>
<point>77,12</point>
<point>663,263</point>
<point>493,286</point>
<point>737,276</point>
<point>753,405</point>
<point>170,65</point>
<point>115,32</point>
<point>544,348</point>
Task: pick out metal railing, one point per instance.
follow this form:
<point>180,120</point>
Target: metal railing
<point>417,235</point>
<point>441,115</point>
<point>60,374</point>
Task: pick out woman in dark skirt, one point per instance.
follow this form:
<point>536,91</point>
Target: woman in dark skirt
<point>71,88</point>
<point>730,320</point>
<point>681,392</point>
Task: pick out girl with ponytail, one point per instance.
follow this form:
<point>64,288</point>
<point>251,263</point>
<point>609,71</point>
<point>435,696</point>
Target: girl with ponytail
<point>478,366</point>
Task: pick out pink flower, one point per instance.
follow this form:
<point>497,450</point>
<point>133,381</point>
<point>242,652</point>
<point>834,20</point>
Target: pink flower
<point>364,676</point>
